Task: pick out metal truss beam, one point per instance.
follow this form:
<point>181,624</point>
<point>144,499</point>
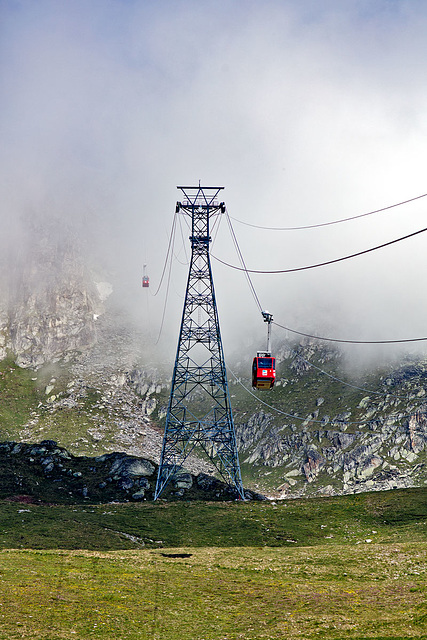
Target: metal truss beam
<point>199,412</point>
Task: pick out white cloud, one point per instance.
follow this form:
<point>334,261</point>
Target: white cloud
<point>304,111</point>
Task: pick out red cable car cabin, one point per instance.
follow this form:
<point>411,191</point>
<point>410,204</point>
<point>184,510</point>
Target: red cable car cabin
<point>263,371</point>
<point>145,281</point>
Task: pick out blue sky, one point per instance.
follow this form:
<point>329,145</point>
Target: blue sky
<point>304,111</point>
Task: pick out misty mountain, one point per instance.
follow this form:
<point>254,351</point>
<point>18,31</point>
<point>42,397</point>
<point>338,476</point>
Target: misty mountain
<point>75,368</point>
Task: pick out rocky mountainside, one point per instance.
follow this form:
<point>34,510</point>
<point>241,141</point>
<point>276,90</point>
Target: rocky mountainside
<point>49,300</point>
<point>344,443</point>
<point>73,369</point>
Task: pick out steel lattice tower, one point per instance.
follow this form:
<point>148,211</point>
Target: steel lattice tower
<point>199,378</point>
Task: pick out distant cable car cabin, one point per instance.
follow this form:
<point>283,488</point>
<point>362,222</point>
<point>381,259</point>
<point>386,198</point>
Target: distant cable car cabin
<point>264,365</point>
<point>263,370</point>
<point>145,278</point>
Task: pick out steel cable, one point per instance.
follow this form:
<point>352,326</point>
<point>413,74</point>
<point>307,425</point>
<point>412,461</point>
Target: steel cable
<point>326,224</point>
<point>322,264</point>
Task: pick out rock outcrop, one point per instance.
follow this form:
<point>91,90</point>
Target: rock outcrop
<point>52,301</point>
<point>47,472</point>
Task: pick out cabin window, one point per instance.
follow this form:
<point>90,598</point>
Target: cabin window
<point>265,363</point>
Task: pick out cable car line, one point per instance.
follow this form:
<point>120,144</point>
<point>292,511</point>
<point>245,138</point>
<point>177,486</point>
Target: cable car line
<point>294,417</point>
<point>181,220</point>
<point>176,253</point>
<point>169,255</point>
<point>242,260</point>
<point>288,415</point>
<point>183,248</point>
<point>301,333</point>
<point>171,245</point>
<point>322,264</point>
<point>171,236</point>
<point>182,238</point>
<point>215,228</point>
<point>263,364</point>
<point>370,391</point>
<point>309,335</point>
<point>348,384</point>
<point>184,264</point>
<point>326,224</point>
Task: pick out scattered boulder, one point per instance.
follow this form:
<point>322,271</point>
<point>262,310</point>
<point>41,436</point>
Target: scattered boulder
<point>125,465</point>
<point>183,480</point>
<point>417,429</point>
<point>313,466</point>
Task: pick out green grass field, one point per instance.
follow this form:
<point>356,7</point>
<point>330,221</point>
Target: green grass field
<point>374,591</point>
<point>349,567</point>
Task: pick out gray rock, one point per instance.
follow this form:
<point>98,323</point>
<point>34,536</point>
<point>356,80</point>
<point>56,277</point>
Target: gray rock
<point>313,466</point>
<point>132,467</point>
<point>36,450</point>
<point>139,495</point>
<point>205,482</point>
<point>342,440</point>
<point>17,449</point>
<point>126,484</point>
<point>327,491</point>
<point>367,468</point>
<point>183,481</point>
<point>417,429</point>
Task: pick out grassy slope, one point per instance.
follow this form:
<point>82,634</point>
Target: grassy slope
<point>27,415</point>
<point>298,569</point>
<point>18,398</point>
<point>395,516</point>
<point>22,395</point>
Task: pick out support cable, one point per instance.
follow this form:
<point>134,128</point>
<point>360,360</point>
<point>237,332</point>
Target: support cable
<point>312,336</point>
<point>333,421</point>
<point>309,335</point>
<point>187,262</point>
<point>171,244</point>
<point>322,264</point>
<point>215,228</point>
<point>347,384</point>
<point>326,224</point>
<point>172,235</point>
<point>242,260</point>
<point>283,413</point>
